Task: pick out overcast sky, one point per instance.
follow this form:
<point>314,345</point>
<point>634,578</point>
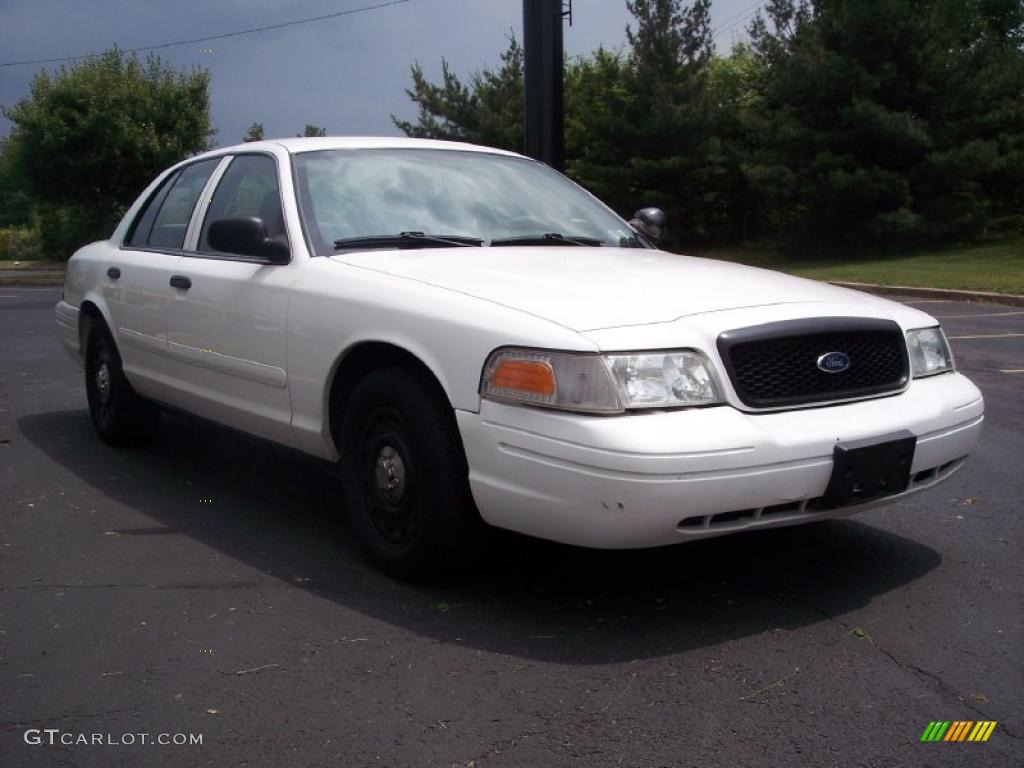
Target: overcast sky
<point>347,74</point>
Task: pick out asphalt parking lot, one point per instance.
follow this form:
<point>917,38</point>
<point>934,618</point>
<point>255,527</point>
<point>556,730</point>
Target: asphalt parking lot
<point>203,584</point>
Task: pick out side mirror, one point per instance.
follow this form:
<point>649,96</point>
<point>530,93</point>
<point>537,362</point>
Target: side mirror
<point>649,222</point>
<point>247,236</point>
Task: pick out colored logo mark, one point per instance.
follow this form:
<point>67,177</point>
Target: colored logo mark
<point>959,730</point>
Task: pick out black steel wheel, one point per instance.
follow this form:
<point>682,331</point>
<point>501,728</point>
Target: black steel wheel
<point>117,412</point>
<point>405,475</point>
<point>385,472</point>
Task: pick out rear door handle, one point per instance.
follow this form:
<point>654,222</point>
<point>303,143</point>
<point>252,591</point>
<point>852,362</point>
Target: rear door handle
<point>113,273</point>
<point>180,281</point>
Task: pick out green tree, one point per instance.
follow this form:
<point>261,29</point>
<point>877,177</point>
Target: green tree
<point>255,133</point>
<point>638,128</point>
<point>15,204</point>
<point>884,122</point>
<point>843,124</point>
<point>669,36</point>
<point>599,100</point>
<point>19,229</point>
<point>733,96</point>
<point>313,130</point>
<point>89,138</point>
<point>646,128</point>
<point>487,109</point>
<point>972,178</point>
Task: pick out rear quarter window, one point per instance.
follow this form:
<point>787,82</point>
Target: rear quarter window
<point>143,224</point>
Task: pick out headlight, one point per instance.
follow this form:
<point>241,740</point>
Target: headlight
<point>929,352</point>
<point>600,383</point>
<point>664,379</point>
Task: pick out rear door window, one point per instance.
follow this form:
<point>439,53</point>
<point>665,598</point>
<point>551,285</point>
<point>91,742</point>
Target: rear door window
<point>171,221</point>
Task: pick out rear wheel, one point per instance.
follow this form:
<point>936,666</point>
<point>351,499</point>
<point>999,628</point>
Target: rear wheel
<point>117,412</point>
<point>405,475</point>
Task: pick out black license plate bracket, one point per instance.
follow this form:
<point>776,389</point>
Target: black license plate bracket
<point>865,470</point>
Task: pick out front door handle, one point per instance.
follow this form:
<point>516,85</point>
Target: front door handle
<point>114,273</point>
<point>180,281</point>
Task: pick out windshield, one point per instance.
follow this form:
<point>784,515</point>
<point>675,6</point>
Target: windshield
<point>386,195</point>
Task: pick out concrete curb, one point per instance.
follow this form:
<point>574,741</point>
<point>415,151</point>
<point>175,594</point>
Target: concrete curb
<point>941,294</point>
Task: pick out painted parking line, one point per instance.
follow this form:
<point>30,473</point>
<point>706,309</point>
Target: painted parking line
<point>987,336</point>
<point>1011,370</point>
<point>987,314</point>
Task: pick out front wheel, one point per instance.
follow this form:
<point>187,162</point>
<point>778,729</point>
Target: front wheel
<point>117,412</point>
<point>405,475</point>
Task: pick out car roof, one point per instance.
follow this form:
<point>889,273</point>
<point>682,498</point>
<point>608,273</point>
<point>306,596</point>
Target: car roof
<point>316,144</point>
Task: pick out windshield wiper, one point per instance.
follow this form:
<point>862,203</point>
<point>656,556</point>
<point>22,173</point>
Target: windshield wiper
<point>549,238</point>
<point>406,240</point>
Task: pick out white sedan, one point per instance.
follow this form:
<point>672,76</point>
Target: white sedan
<point>475,339</point>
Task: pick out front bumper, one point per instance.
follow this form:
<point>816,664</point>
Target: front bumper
<point>645,480</point>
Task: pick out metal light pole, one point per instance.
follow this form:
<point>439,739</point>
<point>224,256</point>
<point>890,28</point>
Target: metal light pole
<point>543,53</point>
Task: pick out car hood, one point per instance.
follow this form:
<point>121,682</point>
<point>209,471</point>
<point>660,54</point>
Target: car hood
<point>596,288</point>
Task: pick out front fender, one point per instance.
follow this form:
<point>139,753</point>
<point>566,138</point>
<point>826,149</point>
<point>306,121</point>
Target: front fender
<point>337,307</point>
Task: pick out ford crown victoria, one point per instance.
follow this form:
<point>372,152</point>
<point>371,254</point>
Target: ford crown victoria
<point>477,340</point>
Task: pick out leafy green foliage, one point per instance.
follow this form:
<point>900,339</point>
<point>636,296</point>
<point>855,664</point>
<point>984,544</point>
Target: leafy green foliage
<point>90,137</point>
<point>313,130</point>
<point>15,204</point>
<point>486,110</point>
<point>20,243</point>
<point>255,133</point>
<point>845,124</point>
<point>891,121</point>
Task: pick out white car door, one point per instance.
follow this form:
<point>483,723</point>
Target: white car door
<point>226,321</point>
<point>136,281</point>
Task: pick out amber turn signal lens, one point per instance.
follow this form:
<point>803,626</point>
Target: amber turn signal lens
<point>525,376</point>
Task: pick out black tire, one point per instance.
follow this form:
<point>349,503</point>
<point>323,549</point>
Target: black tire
<point>118,413</point>
<point>405,476</point>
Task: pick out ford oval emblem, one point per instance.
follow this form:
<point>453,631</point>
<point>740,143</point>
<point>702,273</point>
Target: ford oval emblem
<point>834,362</point>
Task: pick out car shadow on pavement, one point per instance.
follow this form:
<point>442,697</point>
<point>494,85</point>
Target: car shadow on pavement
<point>279,512</point>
